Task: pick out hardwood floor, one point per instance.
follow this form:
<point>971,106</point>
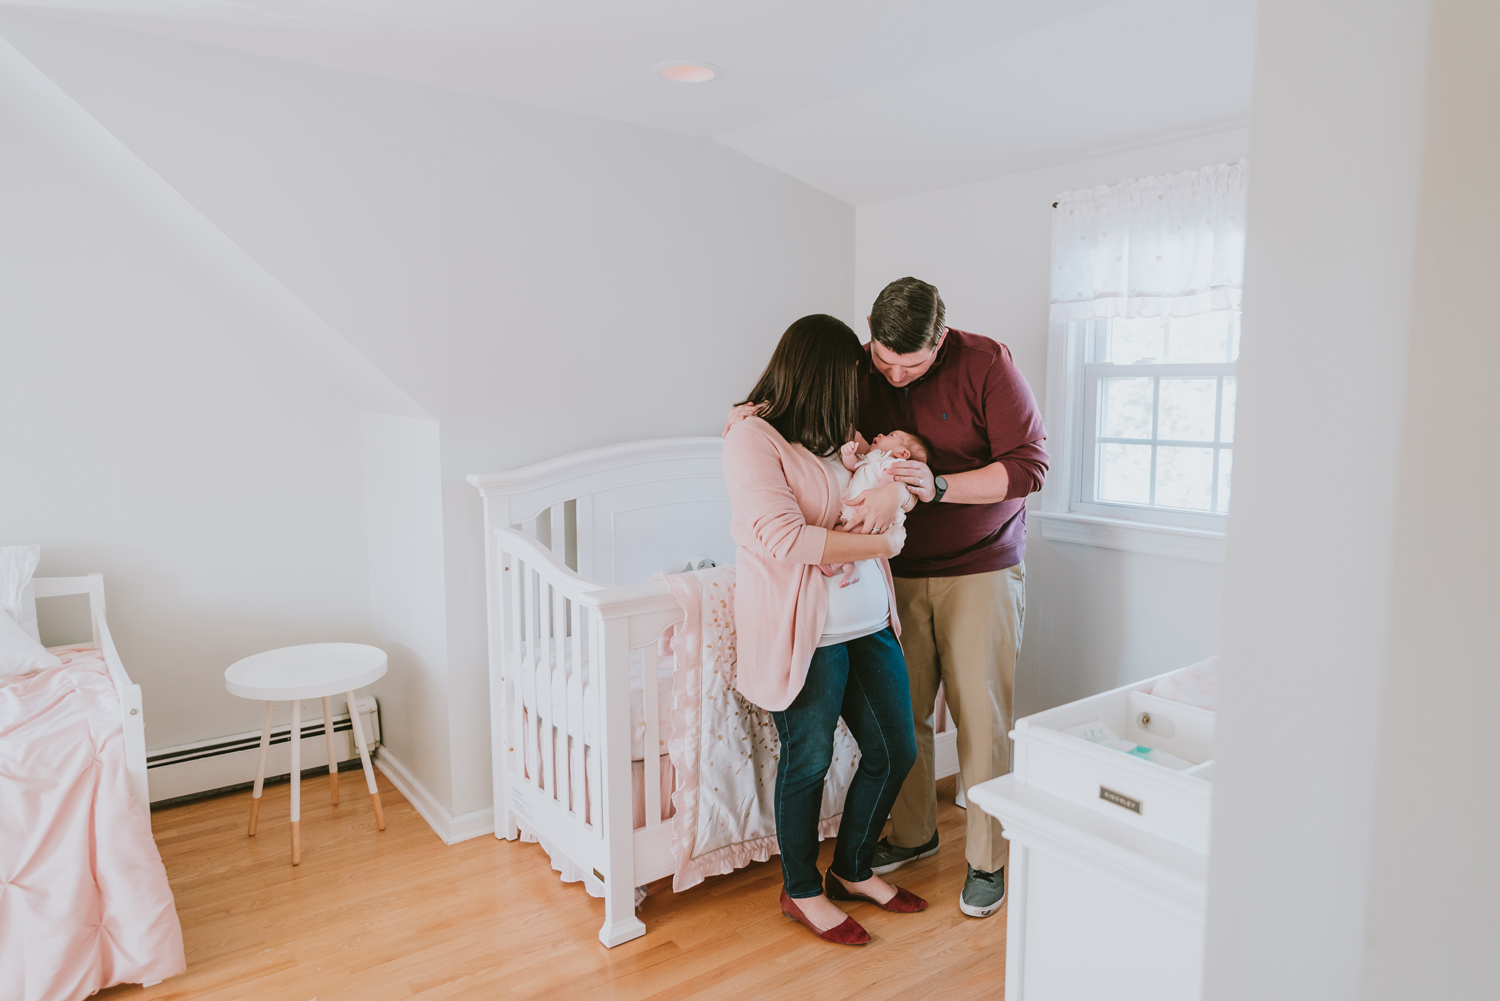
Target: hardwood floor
<point>397,914</point>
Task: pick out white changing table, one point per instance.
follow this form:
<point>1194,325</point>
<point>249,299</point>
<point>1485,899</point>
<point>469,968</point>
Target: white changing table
<point>1108,852</point>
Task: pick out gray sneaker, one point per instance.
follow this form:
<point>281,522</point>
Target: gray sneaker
<point>889,857</point>
<point>984,892</point>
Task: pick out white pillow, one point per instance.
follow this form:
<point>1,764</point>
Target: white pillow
<point>17,597</point>
<point>19,653</point>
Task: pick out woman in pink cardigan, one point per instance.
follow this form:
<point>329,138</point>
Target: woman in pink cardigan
<point>811,649</point>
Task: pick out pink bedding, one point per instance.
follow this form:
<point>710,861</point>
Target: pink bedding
<point>84,900</point>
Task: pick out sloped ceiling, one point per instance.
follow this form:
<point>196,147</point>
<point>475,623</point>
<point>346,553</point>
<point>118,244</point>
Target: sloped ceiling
<point>865,100</point>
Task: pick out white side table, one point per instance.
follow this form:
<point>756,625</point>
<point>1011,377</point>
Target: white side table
<point>313,671</point>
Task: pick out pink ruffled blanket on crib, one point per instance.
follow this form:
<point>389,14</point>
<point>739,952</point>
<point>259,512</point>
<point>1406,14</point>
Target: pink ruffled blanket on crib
<point>84,900</point>
<point>723,748</point>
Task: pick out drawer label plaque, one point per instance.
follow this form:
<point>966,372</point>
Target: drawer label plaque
<point>1119,799</point>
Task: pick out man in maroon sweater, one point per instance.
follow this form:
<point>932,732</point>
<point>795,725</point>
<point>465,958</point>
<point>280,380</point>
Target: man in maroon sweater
<point>960,580</point>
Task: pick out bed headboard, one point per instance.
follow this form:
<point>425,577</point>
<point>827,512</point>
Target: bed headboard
<point>622,513</point>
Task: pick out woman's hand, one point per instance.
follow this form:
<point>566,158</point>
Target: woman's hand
<point>875,509</point>
<point>840,547</point>
<point>738,414</point>
<point>917,477</point>
<point>895,536</point>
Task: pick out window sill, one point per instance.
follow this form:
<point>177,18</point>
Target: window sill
<point>1132,536</point>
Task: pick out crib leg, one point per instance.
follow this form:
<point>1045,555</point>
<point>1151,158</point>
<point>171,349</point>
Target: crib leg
<point>620,923</point>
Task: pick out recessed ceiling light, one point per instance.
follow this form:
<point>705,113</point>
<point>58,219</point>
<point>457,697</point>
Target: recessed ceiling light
<point>687,71</point>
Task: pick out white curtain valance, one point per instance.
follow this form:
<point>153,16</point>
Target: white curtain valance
<point>1170,245</point>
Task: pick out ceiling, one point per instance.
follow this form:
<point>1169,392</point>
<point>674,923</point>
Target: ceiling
<point>863,99</point>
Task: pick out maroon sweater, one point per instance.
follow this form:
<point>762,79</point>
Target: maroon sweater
<point>974,407</point>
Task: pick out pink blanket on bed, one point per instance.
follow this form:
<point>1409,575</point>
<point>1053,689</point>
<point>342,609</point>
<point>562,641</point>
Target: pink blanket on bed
<point>84,900</point>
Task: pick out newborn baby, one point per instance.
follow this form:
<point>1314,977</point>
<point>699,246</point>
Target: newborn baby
<point>870,463</point>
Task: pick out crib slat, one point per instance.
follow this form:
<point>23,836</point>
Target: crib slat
<point>575,713</point>
<point>652,745</point>
<point>594,752</point>
<point>557,724</point>
<point>533,730</point>
<point>559,541</point>
<point>583,521</point>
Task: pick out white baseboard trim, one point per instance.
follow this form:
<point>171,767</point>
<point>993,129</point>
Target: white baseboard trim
<point>221,763</point>
<point>444,824</point>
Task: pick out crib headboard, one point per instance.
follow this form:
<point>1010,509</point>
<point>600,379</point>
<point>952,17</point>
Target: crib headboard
<point>622,513</point>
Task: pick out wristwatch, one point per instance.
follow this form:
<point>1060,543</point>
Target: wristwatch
<point>939,487</point>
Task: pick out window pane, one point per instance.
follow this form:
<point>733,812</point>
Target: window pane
<point>1226,420</point>
<point>1125,473</point>
<point>1201,338</point>
<point>1125,408</point>
<point>1226,464</point>
<point>1184,477</point>
<point>1137,342</point>
<point>1187,409</point>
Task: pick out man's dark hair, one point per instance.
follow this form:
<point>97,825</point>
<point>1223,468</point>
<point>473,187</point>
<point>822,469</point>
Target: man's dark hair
<point>907,316</point>
<point>809,391</point>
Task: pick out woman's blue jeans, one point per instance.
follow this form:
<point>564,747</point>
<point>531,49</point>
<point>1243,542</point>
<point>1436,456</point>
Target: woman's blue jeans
<point>864,681</point>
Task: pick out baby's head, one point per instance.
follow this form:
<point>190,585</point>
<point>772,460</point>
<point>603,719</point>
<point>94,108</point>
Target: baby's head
<point>902,444</point>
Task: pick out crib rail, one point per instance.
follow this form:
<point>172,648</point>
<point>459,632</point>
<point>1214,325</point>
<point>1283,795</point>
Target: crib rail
<point>561,713</point>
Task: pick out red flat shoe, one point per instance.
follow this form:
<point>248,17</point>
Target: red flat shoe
<point>904,902</point>
<point>848,933</point>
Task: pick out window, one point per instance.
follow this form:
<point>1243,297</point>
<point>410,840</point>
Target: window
<point>1158,398</point>
<point>1147,280</point>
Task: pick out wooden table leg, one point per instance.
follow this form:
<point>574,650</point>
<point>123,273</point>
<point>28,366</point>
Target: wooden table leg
<point>296,781</point>
<point>364,760</point>
<point>260,768</point>
<point>333,758</point>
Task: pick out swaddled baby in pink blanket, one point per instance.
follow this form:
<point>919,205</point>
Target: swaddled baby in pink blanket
<point>870,462</point>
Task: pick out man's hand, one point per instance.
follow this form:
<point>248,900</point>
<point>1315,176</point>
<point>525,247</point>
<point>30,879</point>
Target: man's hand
<point>739,413</point>
<point>917,477</point>
<point>875,509</point>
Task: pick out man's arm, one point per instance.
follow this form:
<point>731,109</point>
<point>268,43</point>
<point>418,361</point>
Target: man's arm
<point>1015,431</point>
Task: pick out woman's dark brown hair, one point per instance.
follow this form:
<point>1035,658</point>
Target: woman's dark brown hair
<point>809,391</point>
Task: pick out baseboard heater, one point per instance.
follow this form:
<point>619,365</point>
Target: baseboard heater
<point>224,764</point>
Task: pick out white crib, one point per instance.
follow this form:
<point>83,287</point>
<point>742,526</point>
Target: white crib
<point>571,545</point>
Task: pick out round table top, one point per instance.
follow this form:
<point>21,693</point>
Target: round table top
<point>311,671</point>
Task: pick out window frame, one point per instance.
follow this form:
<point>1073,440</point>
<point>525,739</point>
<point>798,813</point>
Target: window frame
<point>1067,511</point>
<point>1093,375</point>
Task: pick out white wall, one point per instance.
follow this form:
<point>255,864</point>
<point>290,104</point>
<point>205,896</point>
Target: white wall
<point>1433,917</point>
<point>539,282</point>
<point>1354,815</point>
<point>159,433</point>
<point>1095,618</point>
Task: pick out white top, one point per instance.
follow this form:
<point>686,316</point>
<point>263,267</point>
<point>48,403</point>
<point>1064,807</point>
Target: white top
<point>864,607</point>
<point>311,671</point>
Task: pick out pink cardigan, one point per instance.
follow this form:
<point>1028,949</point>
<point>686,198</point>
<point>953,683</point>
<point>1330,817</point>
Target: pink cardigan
<point>784,500</point>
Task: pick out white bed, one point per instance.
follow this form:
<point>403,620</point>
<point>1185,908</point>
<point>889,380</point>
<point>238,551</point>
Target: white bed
<point>87,900</point>
<point>571,545</point>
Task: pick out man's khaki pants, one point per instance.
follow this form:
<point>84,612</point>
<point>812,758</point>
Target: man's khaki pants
<point>964,632</point>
